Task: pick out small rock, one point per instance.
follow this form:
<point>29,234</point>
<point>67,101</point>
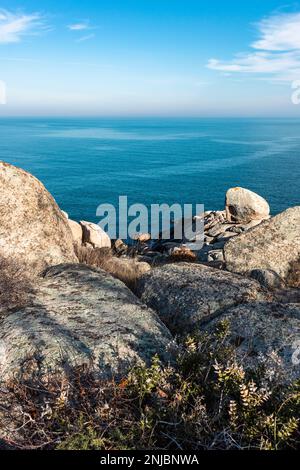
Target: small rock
<point>203,254</point>
<point>208,240</point>
<point>142,237</point>
<point>237,229</point>
<point>215,230</point>
<point>93,234</point>
<point>216,255</point>
<point>243,205</point>
<point>224,236</point>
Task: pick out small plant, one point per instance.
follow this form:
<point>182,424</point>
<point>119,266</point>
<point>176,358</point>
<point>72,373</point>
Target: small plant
<point>207,400</point>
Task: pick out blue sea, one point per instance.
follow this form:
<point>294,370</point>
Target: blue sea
<point>86,162</point>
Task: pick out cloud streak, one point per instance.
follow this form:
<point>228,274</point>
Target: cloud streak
<point>276,53</point>
<point>14,26</point>
<point>86,38</point>
<point>78,26</point>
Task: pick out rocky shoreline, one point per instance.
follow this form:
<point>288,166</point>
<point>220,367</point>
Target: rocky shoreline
<point>246,273</point>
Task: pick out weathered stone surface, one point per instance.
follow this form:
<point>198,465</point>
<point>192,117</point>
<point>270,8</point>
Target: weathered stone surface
<point>93,234</point>
<point>187,295</point>
<point>266,333</point>
<point>33,231</point>
<point>243,205</point>
<point>251,224</point>
<point>273,245</point>
<point>76,230</point>
<point>80,315</point>
<point>207,252</point>
<point>267,278</point>
<point>224,236</point>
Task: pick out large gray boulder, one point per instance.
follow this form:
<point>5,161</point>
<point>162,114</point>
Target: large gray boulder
<point>33,230</point>
<point>272,245</point>
<point>188,295</point>
<point>265,334</point>
<point>243,205</point>
<point>80,315</point>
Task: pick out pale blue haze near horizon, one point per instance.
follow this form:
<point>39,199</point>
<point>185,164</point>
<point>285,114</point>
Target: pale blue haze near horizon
<point>87,162</point>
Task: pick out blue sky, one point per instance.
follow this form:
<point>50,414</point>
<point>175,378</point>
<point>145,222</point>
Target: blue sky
<point>149,57</point>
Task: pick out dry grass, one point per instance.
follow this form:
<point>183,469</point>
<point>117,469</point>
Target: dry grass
<point>206,401</point>
<point>127,270</point>
<point>183,254</point>
<point>15,284</point>
<point>293,279</point>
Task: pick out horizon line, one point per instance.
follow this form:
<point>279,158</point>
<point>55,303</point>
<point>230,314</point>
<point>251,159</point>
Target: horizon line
<point>138,116</point>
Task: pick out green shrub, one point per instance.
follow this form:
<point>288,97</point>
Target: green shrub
<point>206,401</point>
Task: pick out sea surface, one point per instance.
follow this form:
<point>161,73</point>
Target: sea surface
<point>86,162</point>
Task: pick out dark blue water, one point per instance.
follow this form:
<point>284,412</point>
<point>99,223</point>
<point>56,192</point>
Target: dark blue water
<point>85,162</point>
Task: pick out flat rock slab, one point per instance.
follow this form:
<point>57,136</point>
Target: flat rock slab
<point>268,334</point>
<point>272,245</point>
<point>81,315</point>
<point>188,295</point>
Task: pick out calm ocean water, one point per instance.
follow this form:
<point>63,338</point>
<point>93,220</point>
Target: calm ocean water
<point>85,162</point>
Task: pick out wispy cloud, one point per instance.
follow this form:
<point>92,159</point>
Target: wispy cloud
<point>86,38</point>
<point>14,26</point>
<point>279,33</point>
<point>78,26</point>
<point>276,53</point>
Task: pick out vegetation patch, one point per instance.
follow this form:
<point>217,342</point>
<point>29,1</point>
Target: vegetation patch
<point>15,284</point>
<point>127,270</point>
<point>206,401</point>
